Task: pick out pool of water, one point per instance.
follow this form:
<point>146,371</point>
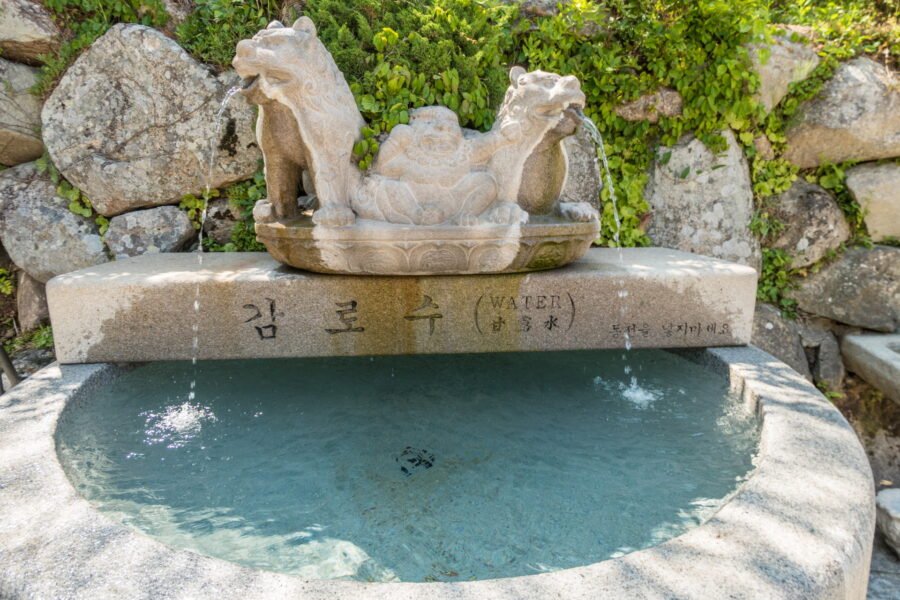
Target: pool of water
<point>415,468</point>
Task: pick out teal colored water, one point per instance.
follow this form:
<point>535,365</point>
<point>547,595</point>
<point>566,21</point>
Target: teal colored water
<point>412,468</point>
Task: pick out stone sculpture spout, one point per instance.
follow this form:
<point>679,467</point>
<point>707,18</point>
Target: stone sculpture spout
<point>475,193</point>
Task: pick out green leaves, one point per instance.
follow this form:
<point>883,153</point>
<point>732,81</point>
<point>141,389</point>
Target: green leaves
<point>211,32</point>
<point>7,286</point>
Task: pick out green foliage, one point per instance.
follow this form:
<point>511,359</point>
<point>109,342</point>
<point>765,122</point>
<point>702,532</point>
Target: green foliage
<point>765,226</point>
<point>834,179</point>
<point>848,27</point>
<point>771,177</point>
<point>243,197</point>
<point>83,21</point>
<point>775,281</point>
<point>7,285</point>
<point>79,203</point>
<point>214,28</point>
<point>196,207</point>
<point>398,56</point>
<point>40,338</point>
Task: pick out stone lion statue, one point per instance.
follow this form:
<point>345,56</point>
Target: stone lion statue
<point>308,119</point>
<point>429,172</point>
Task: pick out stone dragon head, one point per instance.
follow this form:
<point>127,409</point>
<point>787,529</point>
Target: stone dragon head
<point>538,100</point>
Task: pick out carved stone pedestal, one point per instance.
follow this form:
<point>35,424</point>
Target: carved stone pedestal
<point>376,248</point>
<point>252,307</point>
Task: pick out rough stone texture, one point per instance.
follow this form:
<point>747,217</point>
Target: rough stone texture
<point>178,10</point>
<point>31,302</point>
<point>20,115</point>
<point>884,577</point>
<point>162,229</point>
<point>142,308</point>
<point>764,147</point>
<point>788,62</point>
<point>800,528</point>
<point>856,116</point>
<point>814,223</point>
<point>877,189</point>
<point>779,337</point>
<point>26,31</point>
<point>390,249</point>
<point>583,179</point>
<point>823,354</point>
<point>860,288</point>
<point>703,202</point>
<point>220,220</point>
<point>888,503</point>
<point>664,102</point>
<point>132,123</point>
<point>42,236</point>
<point>875,358</point>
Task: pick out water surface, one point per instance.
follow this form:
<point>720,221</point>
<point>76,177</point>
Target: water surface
<point>412,468</point>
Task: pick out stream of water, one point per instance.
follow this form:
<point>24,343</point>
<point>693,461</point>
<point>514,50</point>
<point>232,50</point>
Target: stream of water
<point>208,179</point>
<point>597,138</point>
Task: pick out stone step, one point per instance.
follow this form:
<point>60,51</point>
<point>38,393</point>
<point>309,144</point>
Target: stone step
<point>250,306</point>
<point>875,358</point>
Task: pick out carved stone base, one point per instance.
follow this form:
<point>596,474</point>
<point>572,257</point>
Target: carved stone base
<point>375,248</point>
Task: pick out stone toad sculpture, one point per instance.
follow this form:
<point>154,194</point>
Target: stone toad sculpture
<point>432,184</point>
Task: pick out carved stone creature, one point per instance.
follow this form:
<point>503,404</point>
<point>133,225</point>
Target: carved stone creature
<point>426,173</point>
<point>308,119</point>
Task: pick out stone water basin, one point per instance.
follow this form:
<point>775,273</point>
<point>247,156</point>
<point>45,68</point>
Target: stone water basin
<point>796,523</point>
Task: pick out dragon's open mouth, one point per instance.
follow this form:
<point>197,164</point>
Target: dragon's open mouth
<point>249,82</point>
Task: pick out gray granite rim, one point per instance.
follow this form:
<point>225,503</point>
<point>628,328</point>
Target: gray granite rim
<point>800,527</point>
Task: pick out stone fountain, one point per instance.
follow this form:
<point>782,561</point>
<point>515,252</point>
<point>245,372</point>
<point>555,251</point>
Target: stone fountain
<point>438,199</point>
<point>437,204</point>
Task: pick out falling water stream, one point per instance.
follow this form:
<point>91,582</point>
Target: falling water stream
<point>597,138</point>
<point>208,178</point>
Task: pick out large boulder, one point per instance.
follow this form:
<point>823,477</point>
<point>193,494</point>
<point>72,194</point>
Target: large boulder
<point>813,222</point>
<point>162,229</point>
<point>702,202</point>
<point>788,62</point>
<point>132,123</point>
<point>42,236</point>
<point>856,116</point>
<point>31,302</point>
<point>860,288</point>
<point>877,190</point>
<point>20,115</point>
<point>583,182</point>
<point>780,337</point>
<point>26,31</point>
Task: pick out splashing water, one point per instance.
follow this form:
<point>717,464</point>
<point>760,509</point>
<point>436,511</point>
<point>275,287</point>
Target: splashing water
<point>208,178</point>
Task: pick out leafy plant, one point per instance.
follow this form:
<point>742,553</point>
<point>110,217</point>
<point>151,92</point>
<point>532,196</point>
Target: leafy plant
<point>40,338</point>
<point>7,285</point>
<point>834,179</point>
<point>775,281</point>
<point>79,203</point>
<point>195,207</point>
<point>214,28</point>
